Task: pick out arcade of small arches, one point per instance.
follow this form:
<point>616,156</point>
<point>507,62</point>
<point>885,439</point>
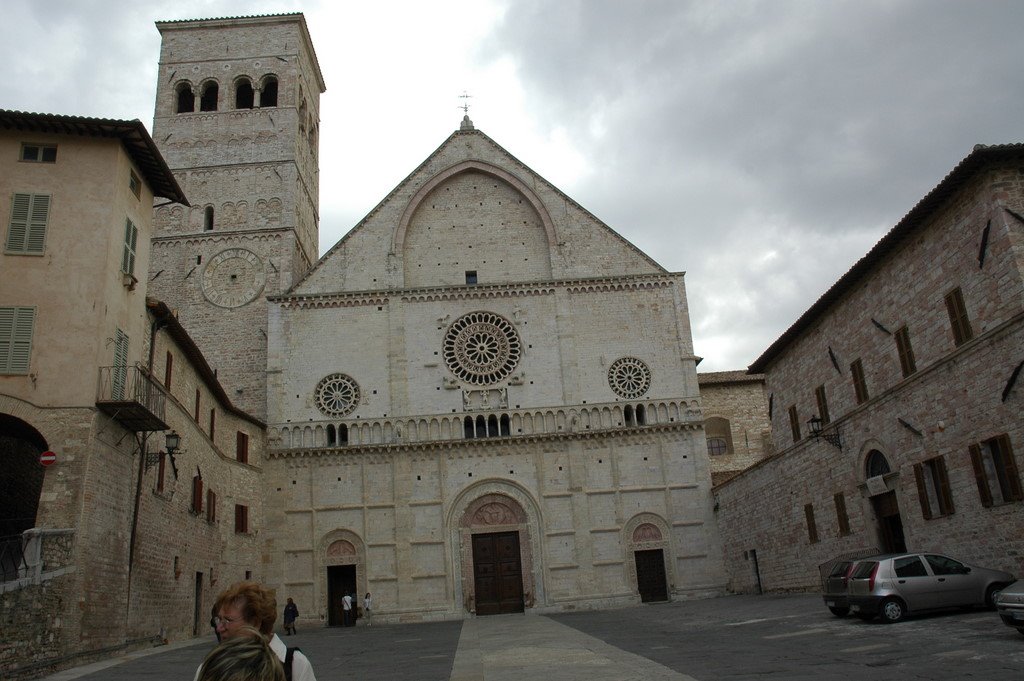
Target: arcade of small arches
<point>455,427</point>
<point>246,95</point>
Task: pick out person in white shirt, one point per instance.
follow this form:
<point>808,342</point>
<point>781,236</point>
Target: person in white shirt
<point>250,604</point>
<point>346,607</point>
<point>367,602</point>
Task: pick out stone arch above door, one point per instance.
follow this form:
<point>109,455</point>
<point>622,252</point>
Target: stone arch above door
<point>339,547</point>
<point>495,506</point>
<point>645,532</point>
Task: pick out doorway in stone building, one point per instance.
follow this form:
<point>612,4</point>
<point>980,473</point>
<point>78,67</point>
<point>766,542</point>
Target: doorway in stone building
<point>497,573</point>
<point>341,580</point>
<point>890,524</point>
<point>650,576</point>
<point>197,611</point>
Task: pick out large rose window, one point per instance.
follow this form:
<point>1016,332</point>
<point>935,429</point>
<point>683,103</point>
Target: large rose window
<point>629,377</point>
<point>482,348</point>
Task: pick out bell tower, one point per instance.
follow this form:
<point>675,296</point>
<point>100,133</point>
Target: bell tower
<point>237,119</point>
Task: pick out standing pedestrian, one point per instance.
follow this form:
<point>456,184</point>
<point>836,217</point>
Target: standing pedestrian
<point>367,602</point>
<point>250,604</point>
<point>291,611</point>
<point>346,606</point>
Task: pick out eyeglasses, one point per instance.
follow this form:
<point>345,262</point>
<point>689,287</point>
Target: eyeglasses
<point>226,621</point>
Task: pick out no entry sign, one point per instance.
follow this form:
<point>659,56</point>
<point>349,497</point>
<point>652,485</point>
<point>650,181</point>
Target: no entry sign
<point>47,458</point>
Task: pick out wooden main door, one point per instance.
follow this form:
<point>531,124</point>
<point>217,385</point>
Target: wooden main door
<point>497,573</point>
<point>650,575</point>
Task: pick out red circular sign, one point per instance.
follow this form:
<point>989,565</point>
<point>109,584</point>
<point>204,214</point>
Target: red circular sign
<point>47,458</point>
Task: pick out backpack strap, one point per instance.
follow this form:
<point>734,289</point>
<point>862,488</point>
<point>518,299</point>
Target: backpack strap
<point>288,660</point>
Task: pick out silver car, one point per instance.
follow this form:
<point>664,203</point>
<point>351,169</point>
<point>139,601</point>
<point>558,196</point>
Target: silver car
<point>1010,605</point>
<point>893,585</point>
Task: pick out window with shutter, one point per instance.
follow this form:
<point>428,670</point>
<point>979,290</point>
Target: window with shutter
<point>841,515</point>
<point>131,238</point>
<point>794,424</point>
<point>197,495</point>
<point>241,519</point>
<point>26,232</point>
<point>242,447</point>
<point>16,325</point>
<point>812,526</point>
<point>959,322</point>
<point>996,472</point>
<point>860,386</point>
<point>119,374</point>
<point>906,352</point>
<point>822,400</point>
<point>933,490</point>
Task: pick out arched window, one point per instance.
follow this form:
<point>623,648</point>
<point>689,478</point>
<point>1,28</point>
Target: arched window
<point>208,219</point>
<point>208,100</point>
<point>503,424</point>
<point>186,99</point>
<point>467,426</point>
<point>492,426</point>
<point>332,435</point>
<point>268,93</point>
<point>718,432</point>
<point>21,477</point>
<point>244,95</point>
<point>641,415</point>
<point>343,435</point>
<point>627,416</point>
<point>876,464</point>
<point>481,426</point>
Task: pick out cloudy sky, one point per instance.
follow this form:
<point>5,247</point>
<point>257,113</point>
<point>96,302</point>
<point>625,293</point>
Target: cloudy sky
<point>760,146</point>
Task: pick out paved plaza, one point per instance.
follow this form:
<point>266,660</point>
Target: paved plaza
<point>736,638</point>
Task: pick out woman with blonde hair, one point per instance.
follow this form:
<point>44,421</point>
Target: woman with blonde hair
<point>243,657</point>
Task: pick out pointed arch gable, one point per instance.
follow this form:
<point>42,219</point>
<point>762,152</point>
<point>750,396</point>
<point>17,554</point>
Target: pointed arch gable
<point>481,167</point>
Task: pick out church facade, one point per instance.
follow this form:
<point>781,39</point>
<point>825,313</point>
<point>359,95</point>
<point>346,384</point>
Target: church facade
<point>482,399</point>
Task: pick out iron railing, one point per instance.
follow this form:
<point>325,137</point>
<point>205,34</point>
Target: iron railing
<point>130,395</point>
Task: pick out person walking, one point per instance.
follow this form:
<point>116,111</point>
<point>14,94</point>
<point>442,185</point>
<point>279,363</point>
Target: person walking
<point>367,602</point>
<point>291,612</point>
<point>346,606</point>
<point>253,605</point>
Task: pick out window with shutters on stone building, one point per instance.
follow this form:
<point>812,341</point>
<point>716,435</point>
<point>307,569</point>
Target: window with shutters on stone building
<point>26,230</point>
<point>959,322</point>
<point>905,351</point>
<point>168,373</point>
<point>822,400</point>
<point>197,494</point>
<point>995,471</point>
<point>933,489</point>
<point>794,423</point>
<point>841,516</point>
<point>131,239</point>
<point>860,385</point>
<point>242,447</point>
<point>213,422</point>
<point>211,506</point>
<point>241,519</point>
<point>812,526</point>
<point>16,327</point>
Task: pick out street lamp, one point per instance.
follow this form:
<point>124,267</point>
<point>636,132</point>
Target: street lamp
<point>834,439</point>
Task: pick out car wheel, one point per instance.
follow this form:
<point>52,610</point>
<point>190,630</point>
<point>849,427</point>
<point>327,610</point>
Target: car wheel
<point>839,612</point>
<point>892,610</point>
<point>991,594</point>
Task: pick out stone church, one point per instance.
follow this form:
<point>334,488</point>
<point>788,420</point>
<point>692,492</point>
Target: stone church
<point>481,400</point>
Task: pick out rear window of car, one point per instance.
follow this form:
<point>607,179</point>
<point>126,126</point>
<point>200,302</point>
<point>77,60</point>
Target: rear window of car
<point>840,568</point>
<point>863,570</point>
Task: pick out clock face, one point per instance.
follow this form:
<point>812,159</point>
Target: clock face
<point>233,277</point>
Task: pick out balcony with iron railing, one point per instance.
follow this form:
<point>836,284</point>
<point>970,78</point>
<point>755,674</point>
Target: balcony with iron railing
<point>130,396</point>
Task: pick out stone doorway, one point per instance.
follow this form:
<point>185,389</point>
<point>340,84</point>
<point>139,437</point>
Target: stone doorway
<point>497,573</point>
<point>650,576</point>
<point>341,580</point>
<point>890,523</point>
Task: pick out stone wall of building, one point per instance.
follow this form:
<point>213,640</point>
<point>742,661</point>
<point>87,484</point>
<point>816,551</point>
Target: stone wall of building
<point>739,405</point>
<point>957,396</point>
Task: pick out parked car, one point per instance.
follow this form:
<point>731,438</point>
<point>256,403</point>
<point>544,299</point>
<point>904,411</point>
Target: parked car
<point>834,588</point>
<point>1010,605</point>
<point>894,585</point>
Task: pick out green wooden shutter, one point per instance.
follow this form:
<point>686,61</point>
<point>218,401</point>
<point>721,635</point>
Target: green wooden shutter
<point>16,327</point>
<point>120,370</point>
<point>26,232</point>
<point>131,237</point>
